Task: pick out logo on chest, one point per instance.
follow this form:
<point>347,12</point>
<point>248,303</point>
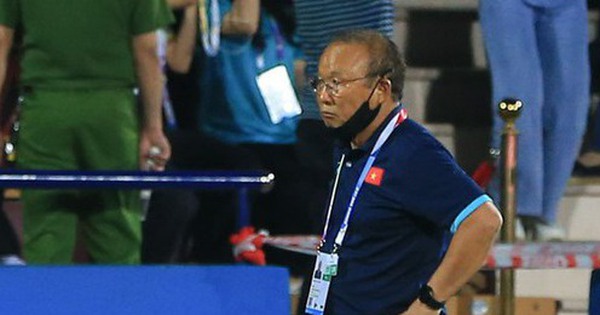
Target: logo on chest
<point>375,176</point>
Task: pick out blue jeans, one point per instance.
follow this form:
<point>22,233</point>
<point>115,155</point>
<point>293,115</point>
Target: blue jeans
<point>538,53</point>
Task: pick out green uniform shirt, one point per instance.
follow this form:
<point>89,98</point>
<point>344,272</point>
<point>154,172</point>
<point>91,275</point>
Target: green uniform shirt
<point>81,43</point>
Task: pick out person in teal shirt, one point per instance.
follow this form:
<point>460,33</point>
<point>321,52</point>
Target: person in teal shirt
<point>233,108</point>
<point>254,37</point>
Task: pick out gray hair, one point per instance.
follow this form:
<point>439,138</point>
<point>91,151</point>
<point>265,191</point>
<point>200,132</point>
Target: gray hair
<point>386,59</point>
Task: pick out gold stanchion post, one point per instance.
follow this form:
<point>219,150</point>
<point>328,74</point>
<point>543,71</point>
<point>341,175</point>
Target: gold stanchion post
<point>509,110</point>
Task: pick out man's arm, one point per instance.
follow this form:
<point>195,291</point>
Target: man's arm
<point>150,81</point>
<point>179,4</point>
<point>180,50</point>
<point>468,250</point>
<point>6,40</point>
<point>242,19</point>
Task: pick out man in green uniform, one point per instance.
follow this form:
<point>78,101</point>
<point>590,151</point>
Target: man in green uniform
<point>81,62</point>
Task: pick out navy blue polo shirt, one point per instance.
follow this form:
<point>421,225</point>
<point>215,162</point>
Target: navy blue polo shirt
<point>402,221</point>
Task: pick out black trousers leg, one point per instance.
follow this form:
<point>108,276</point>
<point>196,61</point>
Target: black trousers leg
<point>9,244</point>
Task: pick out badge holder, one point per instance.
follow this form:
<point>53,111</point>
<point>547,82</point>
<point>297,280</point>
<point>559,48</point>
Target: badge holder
<point>278,93</point>
<point>325,269</point>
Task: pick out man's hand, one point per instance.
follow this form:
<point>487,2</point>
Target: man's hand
<point>154,147</point>
<point>6,41</point>
<point>180,50</point>
<point>178,4</point>
<point>418,308</point>
<point>155,150</point>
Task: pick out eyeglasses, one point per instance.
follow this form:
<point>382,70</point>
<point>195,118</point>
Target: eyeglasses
<point>333,86</point>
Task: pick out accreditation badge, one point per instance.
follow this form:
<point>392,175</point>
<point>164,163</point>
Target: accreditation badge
<point>325,269</point>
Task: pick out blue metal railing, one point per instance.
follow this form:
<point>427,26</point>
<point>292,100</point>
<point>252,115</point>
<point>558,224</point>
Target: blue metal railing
<point>242,181</point>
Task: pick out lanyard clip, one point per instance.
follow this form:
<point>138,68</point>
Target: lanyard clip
<point>335,248</point>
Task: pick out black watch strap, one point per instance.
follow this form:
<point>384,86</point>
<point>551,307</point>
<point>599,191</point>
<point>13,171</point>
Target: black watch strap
<point>426,297</point>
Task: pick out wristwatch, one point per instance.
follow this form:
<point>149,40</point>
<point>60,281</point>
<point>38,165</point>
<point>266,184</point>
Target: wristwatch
<point>426,297</point>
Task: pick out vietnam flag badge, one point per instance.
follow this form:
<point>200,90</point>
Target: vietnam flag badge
<point>375,176</point>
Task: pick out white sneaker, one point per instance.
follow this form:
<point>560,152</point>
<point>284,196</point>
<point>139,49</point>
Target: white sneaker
<point>11,260</point>
<point>549,232</point>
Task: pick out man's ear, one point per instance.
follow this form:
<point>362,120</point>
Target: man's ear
<point>384,87</point>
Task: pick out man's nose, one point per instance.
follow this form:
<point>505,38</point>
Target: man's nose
<point>324,97</point>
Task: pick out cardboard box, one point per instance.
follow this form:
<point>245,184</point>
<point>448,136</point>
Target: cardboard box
<point>458,305</point>
<point>489,305</point>
<point>536,306</point>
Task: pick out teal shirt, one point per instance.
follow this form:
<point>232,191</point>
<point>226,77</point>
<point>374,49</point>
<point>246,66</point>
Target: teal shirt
<point>81,43</point>
<point>232,108</point>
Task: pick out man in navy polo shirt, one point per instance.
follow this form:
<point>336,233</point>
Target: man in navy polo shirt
<point>405,226</point>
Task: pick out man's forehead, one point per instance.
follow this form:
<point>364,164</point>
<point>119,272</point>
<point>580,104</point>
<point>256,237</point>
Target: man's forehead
<point>344,58</point>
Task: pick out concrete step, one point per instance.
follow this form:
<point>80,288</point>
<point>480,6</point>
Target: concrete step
<point>573,306</point>
<point>568,286</point>
<point>579,215</point>
<point>561,284</point>
<point>459,96</point>
<point>447,81</point>
<point>580,209</point>
<point>417,32</point>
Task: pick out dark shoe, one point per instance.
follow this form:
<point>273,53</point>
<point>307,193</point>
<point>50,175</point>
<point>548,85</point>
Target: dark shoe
<point>587,164</point>
<point>582,171</point>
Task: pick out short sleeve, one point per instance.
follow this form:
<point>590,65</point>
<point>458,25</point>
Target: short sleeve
<point>149,15</point>
<point>9,13</point>
<point>436,188</point>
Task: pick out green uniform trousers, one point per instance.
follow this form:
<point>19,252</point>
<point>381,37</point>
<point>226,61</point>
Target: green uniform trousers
<point>80,130</point>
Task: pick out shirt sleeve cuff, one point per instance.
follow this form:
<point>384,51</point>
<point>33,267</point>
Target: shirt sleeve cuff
<point>468,210</point>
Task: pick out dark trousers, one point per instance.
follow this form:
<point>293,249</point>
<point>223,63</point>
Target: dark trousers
<point>9,245</point>
<point>594,307</point>
<point>285,209</point>
<point>195,225</point>
<point>189,225</point>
